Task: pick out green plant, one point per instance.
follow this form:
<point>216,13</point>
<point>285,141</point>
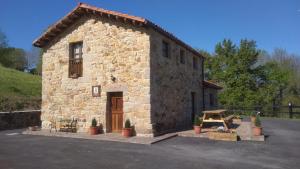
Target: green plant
<point>94,122</point>
<point>257,121</point>
<point>197,121</point>
<point>253,114</point>
<point>127,123</point>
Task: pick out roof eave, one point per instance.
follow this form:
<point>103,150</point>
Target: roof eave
<point>82,8</point>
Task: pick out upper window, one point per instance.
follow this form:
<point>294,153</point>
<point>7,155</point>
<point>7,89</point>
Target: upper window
<point>165,49</point>
<point>76,50</point>
<point>195,63</point>
<point>75,61</point>
<point>182,56</point>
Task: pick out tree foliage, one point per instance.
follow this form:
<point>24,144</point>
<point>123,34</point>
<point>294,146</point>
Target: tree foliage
<point>249,76</point>
<point>11,57</point>
<point>3,40</point>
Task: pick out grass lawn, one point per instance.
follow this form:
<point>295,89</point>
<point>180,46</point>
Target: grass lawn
<point>19,90</point>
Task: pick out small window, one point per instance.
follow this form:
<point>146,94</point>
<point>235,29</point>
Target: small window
<point>195,63</point>
<point>75,61</point>
<point>182,56</point>
<point>165,49</point>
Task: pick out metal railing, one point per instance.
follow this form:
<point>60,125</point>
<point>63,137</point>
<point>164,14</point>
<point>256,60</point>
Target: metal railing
<point>281,111</point>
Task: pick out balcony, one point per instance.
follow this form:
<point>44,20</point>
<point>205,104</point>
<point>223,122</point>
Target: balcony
<point>75,68</point>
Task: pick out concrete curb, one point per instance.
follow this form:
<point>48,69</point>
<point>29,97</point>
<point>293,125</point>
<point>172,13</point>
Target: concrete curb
<point>103,137</point>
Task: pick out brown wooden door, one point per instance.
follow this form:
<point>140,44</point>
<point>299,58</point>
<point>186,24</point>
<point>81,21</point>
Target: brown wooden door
<point>117,113</point>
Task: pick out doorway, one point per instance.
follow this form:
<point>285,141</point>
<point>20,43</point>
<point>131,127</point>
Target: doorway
<point>115,113</point>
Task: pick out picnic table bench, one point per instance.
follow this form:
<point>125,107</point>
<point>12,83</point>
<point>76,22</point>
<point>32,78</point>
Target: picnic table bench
<point>64,125</point>
<point>217,116</point>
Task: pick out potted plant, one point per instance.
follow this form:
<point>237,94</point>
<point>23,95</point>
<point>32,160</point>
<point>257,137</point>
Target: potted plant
<point>252,117</point>
<point>32,128</point>
<point>197,125</point>
<point>257,129</point>
<point>127,129</point>
<point>94,128</point>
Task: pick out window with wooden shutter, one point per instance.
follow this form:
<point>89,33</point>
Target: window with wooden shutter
<point>75,61</point>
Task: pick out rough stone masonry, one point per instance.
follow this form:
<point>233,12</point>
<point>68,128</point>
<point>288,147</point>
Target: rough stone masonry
<point>157,90</point>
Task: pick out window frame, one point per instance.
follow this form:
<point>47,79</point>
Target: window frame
<point>72,48</point>
<point>165,52</point>
<point>75,63</point>
<point>195,63</point>
<point>182,54</point>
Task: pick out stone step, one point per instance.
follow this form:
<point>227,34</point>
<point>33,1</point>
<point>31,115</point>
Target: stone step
<point>244,131</point>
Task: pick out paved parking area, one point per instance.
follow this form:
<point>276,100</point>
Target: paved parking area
<point>281,150</point>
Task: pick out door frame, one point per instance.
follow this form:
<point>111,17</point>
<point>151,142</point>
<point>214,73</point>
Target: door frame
<point>110,95</point>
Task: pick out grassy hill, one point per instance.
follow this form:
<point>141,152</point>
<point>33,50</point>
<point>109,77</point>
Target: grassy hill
<point>19,90</point>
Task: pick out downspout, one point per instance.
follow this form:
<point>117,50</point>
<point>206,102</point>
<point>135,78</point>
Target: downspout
<point>203,101</point>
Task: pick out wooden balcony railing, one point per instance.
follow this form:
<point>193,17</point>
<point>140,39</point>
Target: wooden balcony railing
<point>75,68</point>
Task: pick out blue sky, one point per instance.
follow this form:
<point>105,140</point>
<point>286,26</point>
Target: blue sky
<point>200,23</point>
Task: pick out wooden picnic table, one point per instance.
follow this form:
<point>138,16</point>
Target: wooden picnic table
<point>217,116</point>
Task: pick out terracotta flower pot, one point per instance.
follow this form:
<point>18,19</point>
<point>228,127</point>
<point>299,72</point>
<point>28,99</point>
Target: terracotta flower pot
<point>93,130</point>
<point>126,132</point>
<point>32,128</point>
<point>197,129</point>
<point>257,131</point>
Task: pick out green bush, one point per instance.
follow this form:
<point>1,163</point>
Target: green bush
<point>253,114</point>
<point>13,103</point>
<point>257,121</point>
<point>94,122</point>
<point>127,123</point>
<point>197,121</point>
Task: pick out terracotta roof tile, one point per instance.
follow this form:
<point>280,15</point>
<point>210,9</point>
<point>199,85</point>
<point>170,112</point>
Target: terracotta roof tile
<point>209,84</point>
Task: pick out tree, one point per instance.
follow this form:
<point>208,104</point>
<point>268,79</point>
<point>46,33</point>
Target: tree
<point>234,67</point>
<point>3,40</point>
<point>11,57</point>
<point>32,57</point>
<point>274,80</point>
<point>290,64</point>
<point>245,74</point>
<point>207,64</point>
<point>40,62</point>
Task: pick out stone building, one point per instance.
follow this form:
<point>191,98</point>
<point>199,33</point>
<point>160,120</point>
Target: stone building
<point>112,66</point>
<point>210,95</point>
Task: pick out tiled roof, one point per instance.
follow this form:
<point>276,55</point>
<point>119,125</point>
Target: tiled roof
<point>208,84</point>
<point>82,9</point>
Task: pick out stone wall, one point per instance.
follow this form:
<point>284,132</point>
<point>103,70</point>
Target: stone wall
<point>171,86</point>
<point>214,93</point>
<point>110,49</point>
<point>19,119</point>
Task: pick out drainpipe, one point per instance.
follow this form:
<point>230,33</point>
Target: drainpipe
<point>203,101</point>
